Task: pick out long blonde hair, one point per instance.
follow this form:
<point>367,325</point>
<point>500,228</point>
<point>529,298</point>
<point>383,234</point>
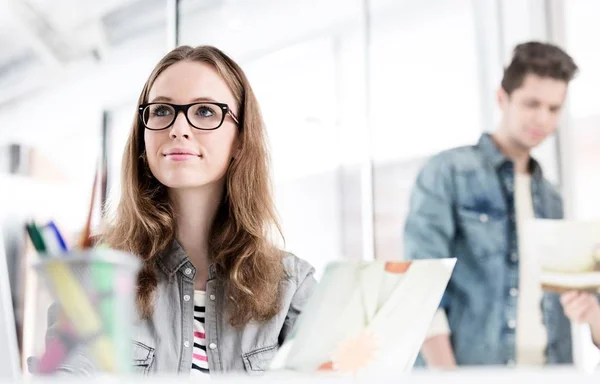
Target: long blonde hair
<point>244,257</point>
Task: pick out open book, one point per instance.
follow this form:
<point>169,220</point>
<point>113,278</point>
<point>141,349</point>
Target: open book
<point>366,317</point>
<point>568,253</point>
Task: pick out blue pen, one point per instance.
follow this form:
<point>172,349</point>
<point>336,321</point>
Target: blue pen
<point>58,236</point>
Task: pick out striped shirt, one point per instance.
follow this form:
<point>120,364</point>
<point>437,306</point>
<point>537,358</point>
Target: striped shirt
<point>199,356</point>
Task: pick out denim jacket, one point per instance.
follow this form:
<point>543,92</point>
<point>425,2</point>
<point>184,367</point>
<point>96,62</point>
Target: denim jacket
<point>163,344</point>
<point>463,206</point>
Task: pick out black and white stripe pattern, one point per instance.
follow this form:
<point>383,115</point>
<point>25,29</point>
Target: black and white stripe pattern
<point>199,355</point>
<point>199,313</point>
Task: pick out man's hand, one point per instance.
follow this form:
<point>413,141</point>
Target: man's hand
<point>437,352</point>
<point>581,307</point>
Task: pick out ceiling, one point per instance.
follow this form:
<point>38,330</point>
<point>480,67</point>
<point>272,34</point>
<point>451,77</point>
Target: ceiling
<point>39,38</point>
<point>42,39</point>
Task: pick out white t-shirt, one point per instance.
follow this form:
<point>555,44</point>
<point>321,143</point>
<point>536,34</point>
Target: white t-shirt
<point>531,332</point>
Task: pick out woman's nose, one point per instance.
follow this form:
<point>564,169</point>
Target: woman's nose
<point>180,127</point>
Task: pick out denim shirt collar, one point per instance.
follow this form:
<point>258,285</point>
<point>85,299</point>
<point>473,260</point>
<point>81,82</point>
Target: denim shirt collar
<point>174,258</point>
<point>496,158</point>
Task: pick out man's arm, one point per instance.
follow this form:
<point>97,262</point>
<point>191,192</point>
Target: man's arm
<point>428,233</point>
<point>437,349</point>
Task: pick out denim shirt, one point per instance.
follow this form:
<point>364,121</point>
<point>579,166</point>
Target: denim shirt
<point>163,344</point>
<point>463,206</point>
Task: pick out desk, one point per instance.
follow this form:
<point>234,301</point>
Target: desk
<point>461,376</point>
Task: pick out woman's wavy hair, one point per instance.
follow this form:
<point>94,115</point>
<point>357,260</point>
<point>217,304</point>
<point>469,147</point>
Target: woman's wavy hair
<point>244,257</point>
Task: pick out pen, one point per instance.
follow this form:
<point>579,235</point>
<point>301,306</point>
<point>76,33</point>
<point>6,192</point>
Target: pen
<point>104,282</point>
<point>57,351</point>
<point>59,347</point>
<point>36,238</point>
<point>55,244</point>
<point>59,238</point>
<point>102,275</point>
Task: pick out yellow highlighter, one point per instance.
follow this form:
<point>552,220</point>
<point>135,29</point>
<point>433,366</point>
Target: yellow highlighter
<point>84,317</point>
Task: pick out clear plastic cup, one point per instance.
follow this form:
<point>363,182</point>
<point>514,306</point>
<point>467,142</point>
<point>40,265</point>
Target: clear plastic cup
<point>92,312</point>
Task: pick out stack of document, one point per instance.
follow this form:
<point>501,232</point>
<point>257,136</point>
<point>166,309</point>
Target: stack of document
<point>366,318</point>
<point>568,253</point>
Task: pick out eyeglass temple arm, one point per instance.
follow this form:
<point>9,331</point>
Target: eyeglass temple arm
<point>234,117</point>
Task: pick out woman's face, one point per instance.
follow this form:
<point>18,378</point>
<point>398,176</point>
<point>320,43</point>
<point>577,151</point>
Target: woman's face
<point>182,156</point>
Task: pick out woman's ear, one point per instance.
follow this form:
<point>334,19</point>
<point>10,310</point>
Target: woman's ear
<point>236,151</point>
<point>237,147</point>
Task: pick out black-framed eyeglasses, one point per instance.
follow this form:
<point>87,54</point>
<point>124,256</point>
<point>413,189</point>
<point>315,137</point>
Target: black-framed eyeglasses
<point>205,115</point>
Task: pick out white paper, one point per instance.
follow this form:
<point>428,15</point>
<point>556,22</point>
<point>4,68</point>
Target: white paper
<point>344,305</point>
<point>564,246</point>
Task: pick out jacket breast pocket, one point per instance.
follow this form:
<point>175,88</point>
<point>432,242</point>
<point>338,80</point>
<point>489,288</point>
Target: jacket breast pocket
<point>258,361</point>
<point>142,358</point>
<point>483,231</point>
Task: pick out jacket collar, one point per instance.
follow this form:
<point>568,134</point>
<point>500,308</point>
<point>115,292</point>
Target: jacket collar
<point>174,258</point>
<point>496,158</point>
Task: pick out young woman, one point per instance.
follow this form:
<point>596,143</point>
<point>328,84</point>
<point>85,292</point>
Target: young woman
<point>214,294</point>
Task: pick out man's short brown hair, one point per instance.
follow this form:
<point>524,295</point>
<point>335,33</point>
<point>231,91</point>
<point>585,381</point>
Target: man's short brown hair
<point>541,59</point>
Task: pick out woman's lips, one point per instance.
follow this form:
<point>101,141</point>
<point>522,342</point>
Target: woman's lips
<point>180,156</point>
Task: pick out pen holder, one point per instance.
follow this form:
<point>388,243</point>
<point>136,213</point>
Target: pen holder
<point>93,310</point>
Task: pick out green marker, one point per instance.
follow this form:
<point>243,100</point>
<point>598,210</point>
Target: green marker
<point>103,282</point>
<point>36,238</point>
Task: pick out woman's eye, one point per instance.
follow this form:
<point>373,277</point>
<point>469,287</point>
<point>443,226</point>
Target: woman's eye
<point>161,110</point>
<point>205,111</point>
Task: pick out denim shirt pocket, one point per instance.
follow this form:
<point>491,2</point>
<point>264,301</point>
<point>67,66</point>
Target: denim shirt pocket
<point>482,230</point>
<point>258,360</point>
<point>142,358</point>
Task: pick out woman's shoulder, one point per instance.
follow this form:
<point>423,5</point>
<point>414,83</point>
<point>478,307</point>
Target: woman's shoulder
<point>297,269</point>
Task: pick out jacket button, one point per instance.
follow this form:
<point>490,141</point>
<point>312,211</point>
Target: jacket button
<point>484,218</point>
<point>188,271</point>
<point>512,324</point>
<point>186,344</point>
<point>212,346</point>
<point>212,297</point>
<point>186,298</point>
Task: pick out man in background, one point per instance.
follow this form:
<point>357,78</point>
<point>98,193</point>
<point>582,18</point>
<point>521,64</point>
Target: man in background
<point>470,203</point>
